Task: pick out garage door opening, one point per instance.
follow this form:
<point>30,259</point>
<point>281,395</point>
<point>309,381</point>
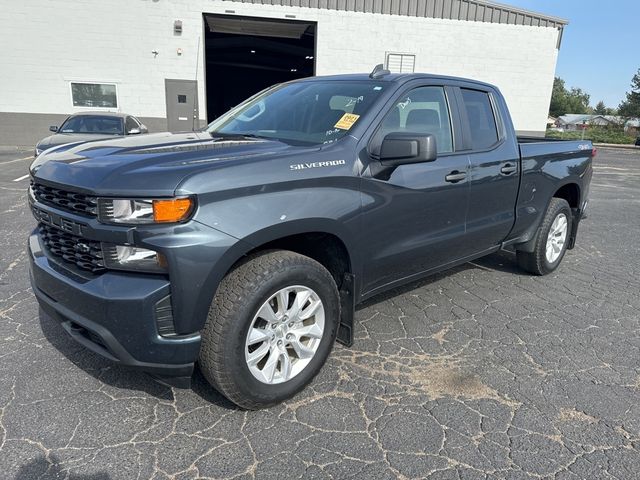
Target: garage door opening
<point>244,55</point>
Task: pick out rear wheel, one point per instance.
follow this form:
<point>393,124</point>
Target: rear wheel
<point>270,328</point>
<point>552,240</point>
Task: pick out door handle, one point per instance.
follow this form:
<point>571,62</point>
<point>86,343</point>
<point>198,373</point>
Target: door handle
<point>455,176</point>
<point>508,169</point>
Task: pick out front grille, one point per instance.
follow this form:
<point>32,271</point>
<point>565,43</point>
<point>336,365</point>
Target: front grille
<point>85,254</point>
<point>70,201</point>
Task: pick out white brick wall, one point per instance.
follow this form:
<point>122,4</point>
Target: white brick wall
<point>48,43</point>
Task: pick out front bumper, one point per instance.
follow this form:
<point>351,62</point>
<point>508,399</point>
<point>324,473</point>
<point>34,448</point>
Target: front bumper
<point>113,315</point>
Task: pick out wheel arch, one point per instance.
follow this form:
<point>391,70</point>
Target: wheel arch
<point>322,240</point>
<point>570,192</point>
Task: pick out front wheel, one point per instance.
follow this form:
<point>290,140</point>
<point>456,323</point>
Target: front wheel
<point>270,328</point>
<point>551,243</point>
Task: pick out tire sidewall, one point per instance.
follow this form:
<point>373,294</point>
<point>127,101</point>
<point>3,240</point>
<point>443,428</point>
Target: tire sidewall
<point>234,356</point>
<point>556,208</point>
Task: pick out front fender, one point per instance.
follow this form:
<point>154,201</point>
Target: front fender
<point>222,264</point>
<point>301,226</point>
<point>266,216</point>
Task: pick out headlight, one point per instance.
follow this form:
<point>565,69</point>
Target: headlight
<point>123,257</point>
<point>144,211</point>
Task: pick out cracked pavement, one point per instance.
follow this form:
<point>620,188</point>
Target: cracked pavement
<point>479,372</point>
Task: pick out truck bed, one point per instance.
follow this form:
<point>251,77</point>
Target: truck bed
<point>530,139</point>
<point>538,146</point>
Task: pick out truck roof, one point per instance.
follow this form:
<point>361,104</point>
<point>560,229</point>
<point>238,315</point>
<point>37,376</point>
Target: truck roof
<point>392,78</point>
<point>99,114</point>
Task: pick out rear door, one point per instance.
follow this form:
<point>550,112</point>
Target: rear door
<point>414,219</point>
<point>182,105</point>
<point>495,167</point>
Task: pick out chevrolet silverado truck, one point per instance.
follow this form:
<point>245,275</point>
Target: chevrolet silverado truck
<point>245,247</point>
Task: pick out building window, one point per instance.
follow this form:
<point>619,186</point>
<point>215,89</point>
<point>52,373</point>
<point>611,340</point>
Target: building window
<point>400,62</point>
<point>100,95</point>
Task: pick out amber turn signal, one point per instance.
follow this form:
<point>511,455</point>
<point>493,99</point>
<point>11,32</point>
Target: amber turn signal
<point>173,210</point>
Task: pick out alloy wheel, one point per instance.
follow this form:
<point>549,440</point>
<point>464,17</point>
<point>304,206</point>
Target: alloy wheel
<point>556,238</point>
<point>284,334</point>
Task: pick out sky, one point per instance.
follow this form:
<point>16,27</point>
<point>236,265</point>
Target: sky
<point>599,51</point>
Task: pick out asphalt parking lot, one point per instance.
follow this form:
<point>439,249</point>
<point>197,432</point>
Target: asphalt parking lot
<point>480,372</point>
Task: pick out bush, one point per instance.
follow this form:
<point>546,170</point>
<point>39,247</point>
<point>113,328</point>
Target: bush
<point>596,135</point>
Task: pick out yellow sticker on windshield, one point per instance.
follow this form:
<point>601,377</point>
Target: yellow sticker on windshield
<point>347,121</point>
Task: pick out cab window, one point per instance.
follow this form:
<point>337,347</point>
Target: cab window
<point>482,122</point>
<point>131,124</point>
<point>422,110</point>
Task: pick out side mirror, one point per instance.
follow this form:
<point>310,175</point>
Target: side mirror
<point>400,148</point>
<point>134,131</point>
<point>53,128</point>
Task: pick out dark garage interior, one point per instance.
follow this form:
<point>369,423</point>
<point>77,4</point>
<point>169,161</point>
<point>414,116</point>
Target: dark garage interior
<point>244,55</point>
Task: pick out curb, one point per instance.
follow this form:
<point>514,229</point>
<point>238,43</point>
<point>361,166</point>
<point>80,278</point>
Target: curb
<point>616,145</point>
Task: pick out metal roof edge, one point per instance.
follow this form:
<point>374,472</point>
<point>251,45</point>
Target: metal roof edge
<point>523,11</point>
<point>486,11</point>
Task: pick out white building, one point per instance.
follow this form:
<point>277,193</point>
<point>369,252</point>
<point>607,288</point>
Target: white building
<point>179,63</point>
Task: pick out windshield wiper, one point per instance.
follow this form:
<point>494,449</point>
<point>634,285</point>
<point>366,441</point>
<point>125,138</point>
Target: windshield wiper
<point>239,136</point>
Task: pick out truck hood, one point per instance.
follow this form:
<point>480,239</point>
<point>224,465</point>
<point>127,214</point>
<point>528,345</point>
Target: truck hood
<point>153,164</point>
<point>62,138</point>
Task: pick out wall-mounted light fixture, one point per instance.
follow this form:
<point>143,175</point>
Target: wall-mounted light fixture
<point>177,27</point>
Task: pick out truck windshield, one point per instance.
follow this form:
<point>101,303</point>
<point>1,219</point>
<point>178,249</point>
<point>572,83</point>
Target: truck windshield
<point>307,113</point>
<point>93,124</point>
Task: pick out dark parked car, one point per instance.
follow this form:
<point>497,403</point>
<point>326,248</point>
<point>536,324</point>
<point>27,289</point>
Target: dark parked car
<point>245,247</point>
<point>638,142</point>
<point>88,126</point>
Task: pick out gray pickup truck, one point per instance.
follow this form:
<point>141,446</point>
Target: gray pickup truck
<point>246,247</point>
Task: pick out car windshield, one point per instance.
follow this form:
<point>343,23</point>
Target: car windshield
<point>99,124</point>
<point>307,113</point>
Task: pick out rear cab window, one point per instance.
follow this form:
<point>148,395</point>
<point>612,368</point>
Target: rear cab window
<point>481,117</point>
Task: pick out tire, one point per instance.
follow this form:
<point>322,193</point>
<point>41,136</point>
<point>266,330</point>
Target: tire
<point>538,262</point>
<point>259,285</point>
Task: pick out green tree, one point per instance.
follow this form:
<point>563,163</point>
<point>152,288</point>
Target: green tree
<point>630,107</point>
<point>558,104</point>
<point>601,109</point>
<point>578,101</point>
<point>565,101</point>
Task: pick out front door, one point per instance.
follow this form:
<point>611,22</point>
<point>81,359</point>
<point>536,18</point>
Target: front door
<point>182,105</point>
<point>414,220</point>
